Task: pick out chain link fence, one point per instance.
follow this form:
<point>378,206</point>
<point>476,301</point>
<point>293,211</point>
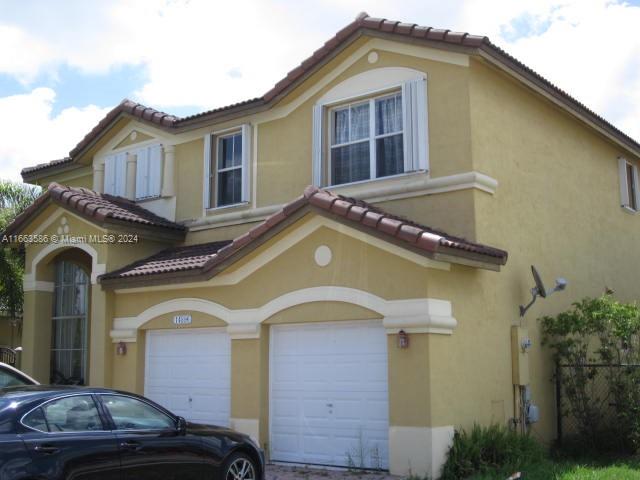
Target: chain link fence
<point>585,403</point>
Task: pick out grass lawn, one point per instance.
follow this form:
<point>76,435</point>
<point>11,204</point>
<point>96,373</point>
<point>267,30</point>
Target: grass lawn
<point>575,470</point>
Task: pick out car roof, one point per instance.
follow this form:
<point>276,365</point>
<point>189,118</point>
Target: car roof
<point>32,392</point>
<point>20,373</point>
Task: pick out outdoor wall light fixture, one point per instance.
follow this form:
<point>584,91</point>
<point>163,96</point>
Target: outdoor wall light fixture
<point>403,339</point>
<point>121,349</point>
<point>540,291</point>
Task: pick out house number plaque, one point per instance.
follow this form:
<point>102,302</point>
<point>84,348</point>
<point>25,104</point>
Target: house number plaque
<point>182,319</point>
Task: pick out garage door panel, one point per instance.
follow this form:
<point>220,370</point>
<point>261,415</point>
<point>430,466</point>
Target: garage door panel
<point>329,391</point>
<point>188,371</point>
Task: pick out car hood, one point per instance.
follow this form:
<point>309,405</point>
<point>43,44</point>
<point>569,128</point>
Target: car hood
<point>203,430</point>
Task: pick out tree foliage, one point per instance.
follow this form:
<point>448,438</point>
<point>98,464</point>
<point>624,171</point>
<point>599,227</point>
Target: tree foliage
<point>598,343</point>
<point>14,199</point>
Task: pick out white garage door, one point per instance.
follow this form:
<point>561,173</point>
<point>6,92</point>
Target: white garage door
<point>188,371</point>
<point>329,400</point>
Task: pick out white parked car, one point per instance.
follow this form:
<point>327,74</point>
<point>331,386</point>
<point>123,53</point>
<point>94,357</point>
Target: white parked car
<point>11,377</point>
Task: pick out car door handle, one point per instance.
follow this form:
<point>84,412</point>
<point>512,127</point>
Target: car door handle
<point>131,445</point>
<point>46,449</point>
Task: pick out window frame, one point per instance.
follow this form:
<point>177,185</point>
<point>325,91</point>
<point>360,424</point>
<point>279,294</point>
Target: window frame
<point>211,171</point>
<point>112,423</point>
<point>58,296</point>
<point>218,170</point>
<point>372,138</point>
<point>629,186</point>
<point>97,404</point>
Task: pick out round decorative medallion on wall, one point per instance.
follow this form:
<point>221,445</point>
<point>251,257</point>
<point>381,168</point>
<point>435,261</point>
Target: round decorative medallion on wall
<point>373,57</point>
<point>323,255</point>
<point>133,135</point>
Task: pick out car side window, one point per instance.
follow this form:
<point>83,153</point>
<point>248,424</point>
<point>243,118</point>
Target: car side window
<point>36,420</point>
<point>132,414</point>
<point>69,414</point>
<point>10,379</point>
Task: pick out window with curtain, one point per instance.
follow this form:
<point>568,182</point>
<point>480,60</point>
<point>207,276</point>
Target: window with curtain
<point>229,170</point>
<point>367,140</point>
<point>69,337</point>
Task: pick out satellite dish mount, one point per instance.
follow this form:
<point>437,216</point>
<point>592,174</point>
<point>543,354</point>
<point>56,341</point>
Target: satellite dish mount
<point>540,291</point>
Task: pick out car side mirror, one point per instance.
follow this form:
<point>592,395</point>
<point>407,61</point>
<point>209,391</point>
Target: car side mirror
<point>181,425</point>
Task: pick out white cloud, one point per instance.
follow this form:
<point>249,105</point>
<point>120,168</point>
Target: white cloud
<point>198,53</point>
<point>31,135</point>
<point>587,48</point>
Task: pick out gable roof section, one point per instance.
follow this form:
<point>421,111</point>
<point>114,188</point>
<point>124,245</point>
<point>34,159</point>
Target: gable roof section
<point>98,208</point>
<point>363,24</point>
<point>201,262</point>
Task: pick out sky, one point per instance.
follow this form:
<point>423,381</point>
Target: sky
<point>65,64</point>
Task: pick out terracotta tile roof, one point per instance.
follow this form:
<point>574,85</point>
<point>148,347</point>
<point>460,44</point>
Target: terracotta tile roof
<point>471,44</point>
<point>99,208</point>
<point>205,260</point>
<point>174,259</point>
<point>136,110</point>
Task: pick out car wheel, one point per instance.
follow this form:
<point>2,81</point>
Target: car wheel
<point>240,467</point>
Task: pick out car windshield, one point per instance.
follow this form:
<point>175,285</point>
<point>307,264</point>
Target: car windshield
<point>9,378</point>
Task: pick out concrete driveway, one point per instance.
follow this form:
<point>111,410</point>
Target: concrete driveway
<point>279,472</point>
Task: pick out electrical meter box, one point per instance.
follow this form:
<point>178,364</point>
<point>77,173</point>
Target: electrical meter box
<point>520,345</point>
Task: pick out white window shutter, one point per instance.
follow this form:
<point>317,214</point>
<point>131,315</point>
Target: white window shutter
<point>636,184</point>
<point>207,171</point>
<point>317,145</point>
<point>624,191</point>
<point>109,175</point>
<point>246,162</point>
<point>120,175</point>
<point>142,173</point>
<point>155,171</point>
<point>415,126</point>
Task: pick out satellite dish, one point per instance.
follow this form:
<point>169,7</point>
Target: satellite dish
<point>542,291</point>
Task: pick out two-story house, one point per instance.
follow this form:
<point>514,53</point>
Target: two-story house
<point>359,320</point>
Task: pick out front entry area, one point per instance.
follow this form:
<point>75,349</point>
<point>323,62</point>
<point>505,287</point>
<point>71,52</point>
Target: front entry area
<point>189,372</point>
<point>329,394</point>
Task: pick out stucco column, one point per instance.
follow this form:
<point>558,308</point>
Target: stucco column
<point>130,191</point>
<point>168,175</point>
<point>416,446</point>
<point>98,177</point>
<point>248,381</point>
<point>100,344</point>
<point>36,333</point>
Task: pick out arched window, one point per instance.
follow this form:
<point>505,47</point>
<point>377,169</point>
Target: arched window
<point>70,330</point>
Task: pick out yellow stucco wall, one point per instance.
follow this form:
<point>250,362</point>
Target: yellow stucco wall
<point>556,206</point>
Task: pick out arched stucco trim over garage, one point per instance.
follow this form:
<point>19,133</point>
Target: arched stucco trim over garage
<point>416,315</point>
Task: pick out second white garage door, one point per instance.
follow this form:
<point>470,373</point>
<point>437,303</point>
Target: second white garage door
<point>329,399</point>
<point>188,371</point>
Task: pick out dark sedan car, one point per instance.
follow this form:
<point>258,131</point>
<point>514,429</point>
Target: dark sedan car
<point>73,433</point>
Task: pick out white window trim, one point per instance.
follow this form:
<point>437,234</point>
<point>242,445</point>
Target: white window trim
<point>373,165</point>
<point>322,126</point>
<point>625,201</point>
<point>245,131</point>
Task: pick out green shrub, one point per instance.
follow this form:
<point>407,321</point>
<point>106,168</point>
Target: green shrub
<point>598,343</point>
<point>487,449</point>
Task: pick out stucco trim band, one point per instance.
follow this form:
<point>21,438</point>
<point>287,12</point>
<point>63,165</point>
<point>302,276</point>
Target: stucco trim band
<point>423,315</point>
<point>419,451</point>
<point>30,284</point>
<point>248,426</point>
<point>406,185</point>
